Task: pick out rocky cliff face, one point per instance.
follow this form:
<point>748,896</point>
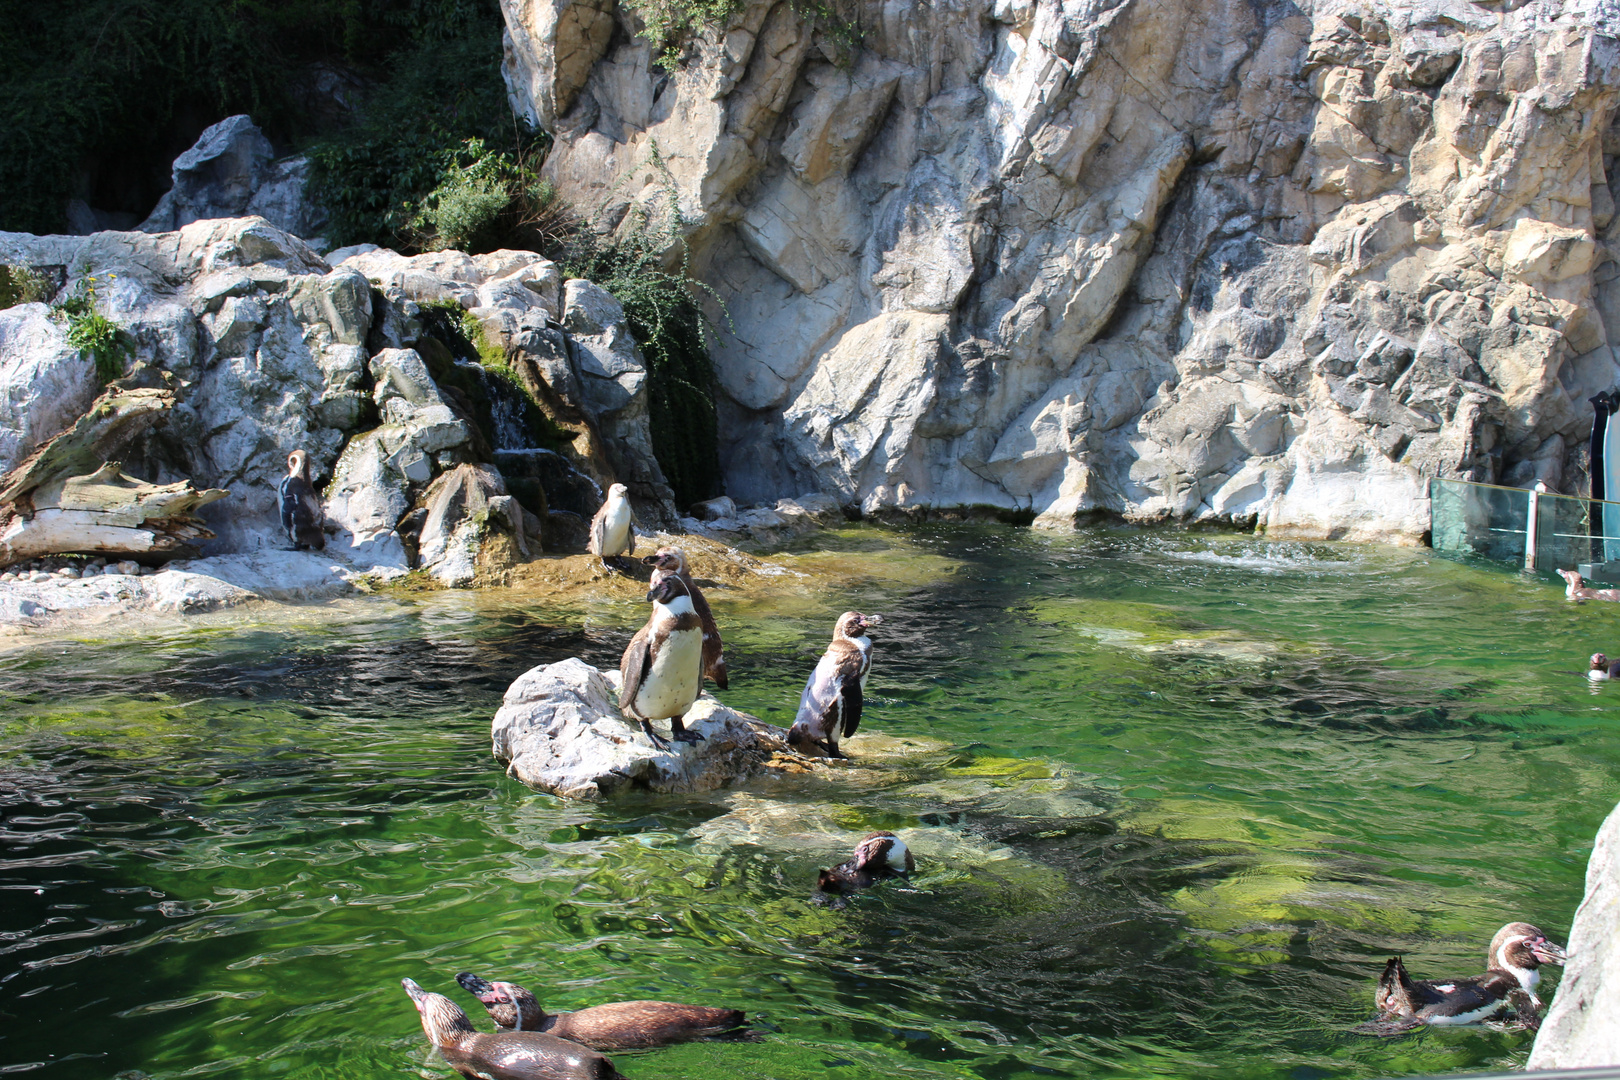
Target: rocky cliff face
<point>1205,260</point>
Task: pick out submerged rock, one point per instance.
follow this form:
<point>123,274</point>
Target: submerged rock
<point>559,730</point>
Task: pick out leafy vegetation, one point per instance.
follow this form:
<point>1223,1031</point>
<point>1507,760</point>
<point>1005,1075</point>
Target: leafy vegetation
<point>670,24</point>
<point>22,285</point>
<point>91,332</point>
<point>97,97</point>
<point>667,321</point>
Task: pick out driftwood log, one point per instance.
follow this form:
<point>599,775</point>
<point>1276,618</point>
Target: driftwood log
<point>67,497</point>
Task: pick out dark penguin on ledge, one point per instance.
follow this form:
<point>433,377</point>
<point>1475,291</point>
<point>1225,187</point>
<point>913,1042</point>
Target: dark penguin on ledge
<point>672,560</point>
<point>302,518</point>
<point>622,1025</point>
<point>879,856</point>
<point>505,1055</point>
<point>662,669</point>
<point>1510,980</point>
<point>830,706</point>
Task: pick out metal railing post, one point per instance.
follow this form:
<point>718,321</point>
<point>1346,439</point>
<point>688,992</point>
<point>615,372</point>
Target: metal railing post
<point>1530,528</point>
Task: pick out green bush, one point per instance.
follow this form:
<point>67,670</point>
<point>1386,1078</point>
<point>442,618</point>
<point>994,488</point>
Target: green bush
<point>670,24</point>
<point>22,285</point>
<point>98,96</point>
<point>91,332</point>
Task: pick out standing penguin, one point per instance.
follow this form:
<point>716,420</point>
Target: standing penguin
<point>662,670</point>
<point>613,529</point>
<point>672,560</point>
<point>830,706</point>
<point>301,513</point>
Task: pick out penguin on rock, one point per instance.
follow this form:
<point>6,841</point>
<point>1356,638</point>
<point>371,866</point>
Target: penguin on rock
<point>672,560</point>
<point>613,529</point>
<point>830,706</point>
<point>661,673</point>
<point>302,517</point>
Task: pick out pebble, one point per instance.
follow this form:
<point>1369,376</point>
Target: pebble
<point>8,576</point>
<point>127,567</point>
<point>67,572</point>
<point>38,575</point>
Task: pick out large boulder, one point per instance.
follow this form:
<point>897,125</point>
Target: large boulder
<point>232,172</point>
<point>559,730</point>
<point>1582,1028</point>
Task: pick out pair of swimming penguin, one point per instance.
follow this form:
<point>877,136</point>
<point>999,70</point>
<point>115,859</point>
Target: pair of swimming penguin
<point>663,668</point>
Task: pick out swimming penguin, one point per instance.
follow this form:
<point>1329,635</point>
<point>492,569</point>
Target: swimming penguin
<point>830,706</point>
<point>672,560</point>
<point>613,529</point>
<point>1510,979</point>
<point>1575,588</point>
<point>1602,668</point>
<point>878,856</point>
<point>505,1055</point>
<point>301,515</point>
<point>622,1025</point>
<point>662,669</point>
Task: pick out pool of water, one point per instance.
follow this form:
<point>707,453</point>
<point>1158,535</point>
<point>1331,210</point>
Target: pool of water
<point>1175,798</point>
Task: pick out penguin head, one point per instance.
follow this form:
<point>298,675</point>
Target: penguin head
<point>1600,662</point>
<point>1520,946</point>
<point>853,624</point>
<point>1575,580</point>
<point>671,559</point>
<point>442,1019</point>
<point>618,491</point>
<point>666,589</point>
<point>298,464</point>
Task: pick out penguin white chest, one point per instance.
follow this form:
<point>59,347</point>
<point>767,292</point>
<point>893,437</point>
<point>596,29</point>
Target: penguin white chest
<point>616,528</point>
<point>672,680</point>
<point>864,644</point>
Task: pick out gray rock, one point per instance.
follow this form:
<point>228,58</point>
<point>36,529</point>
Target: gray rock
<point>231,172</point>
<point>463,509</point>
<point>980,261</point>
<point>559,730</point>
<point>1582,1027</point>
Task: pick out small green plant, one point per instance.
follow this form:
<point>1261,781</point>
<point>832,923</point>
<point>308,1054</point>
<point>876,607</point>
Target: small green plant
<point>670,24</point>
<point>668,323</point>
<point>91,332</point>
<point>22,285</point>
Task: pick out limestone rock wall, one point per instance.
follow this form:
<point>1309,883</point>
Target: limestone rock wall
<point>1266,262</point>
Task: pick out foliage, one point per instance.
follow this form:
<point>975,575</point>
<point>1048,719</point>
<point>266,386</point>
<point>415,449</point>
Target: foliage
<point>97,97</point>
<point>670,326</point>
<point>91,332</point>
<point>669,24</point>
<point>22,285</point>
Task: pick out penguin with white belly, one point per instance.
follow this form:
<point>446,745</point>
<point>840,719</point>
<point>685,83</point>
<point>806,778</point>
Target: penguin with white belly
<point>662,669</point>
<point>830,706</point>
<point>613,529</point>
<point>302,517</point>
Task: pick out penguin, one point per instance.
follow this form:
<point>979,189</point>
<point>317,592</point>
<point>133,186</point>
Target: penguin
<point>672,560</point>
<point>622,1025</point>
<point>830,706</point>
<point>661,673</point>
<point>301,515</point>
<point>1575,588</point>
<point>1510,979</point>
<point>505,1055</point>
<point>1602,668</point>
<point>613,529</point>
<point>878,856</point>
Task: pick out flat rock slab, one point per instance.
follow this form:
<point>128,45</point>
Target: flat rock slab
<point>560,731</point>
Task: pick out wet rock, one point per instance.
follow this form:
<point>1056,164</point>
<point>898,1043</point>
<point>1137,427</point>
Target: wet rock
<point>1582,1027</point>
<point>559,730</point>
<point>466,508</point>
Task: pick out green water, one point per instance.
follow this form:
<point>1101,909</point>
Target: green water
<point>1174,798</point>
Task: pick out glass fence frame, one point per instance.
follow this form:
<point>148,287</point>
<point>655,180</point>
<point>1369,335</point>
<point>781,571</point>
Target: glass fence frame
<point>1538,530</point>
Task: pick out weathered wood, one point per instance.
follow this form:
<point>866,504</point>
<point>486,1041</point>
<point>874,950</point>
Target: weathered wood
<point>106,513</point>
<point>116,417</point>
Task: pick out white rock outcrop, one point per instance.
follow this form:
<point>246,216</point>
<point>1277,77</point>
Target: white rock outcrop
<point>1582,1026</point>
<point>1193,260</point>
<point>559,730</point>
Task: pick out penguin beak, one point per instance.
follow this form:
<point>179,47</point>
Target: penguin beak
<point>873,620</point>
<point>652,594</point>
<point>416,992</point>
<point>649,560</point>
<point>473,984</point>
<point>1547,952</point>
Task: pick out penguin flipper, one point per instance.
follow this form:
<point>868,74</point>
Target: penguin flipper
<point>597,537</point>
<point>289,503</point>
<point>1387,1027</point>
<point>851,693</point>
<point>632,669</point>
<point>1525,1006</point>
